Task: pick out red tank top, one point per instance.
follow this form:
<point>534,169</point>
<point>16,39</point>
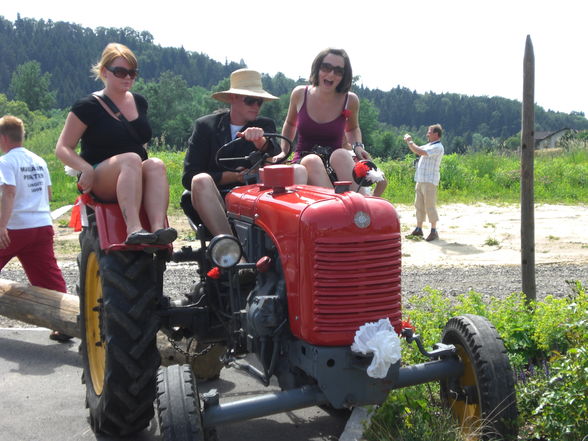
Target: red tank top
<point>311,133</point>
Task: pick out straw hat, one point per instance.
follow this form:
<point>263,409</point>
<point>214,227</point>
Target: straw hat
<point>245,82</point>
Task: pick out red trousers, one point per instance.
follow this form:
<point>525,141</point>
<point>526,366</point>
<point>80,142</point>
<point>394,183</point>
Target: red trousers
<point>34,249</point>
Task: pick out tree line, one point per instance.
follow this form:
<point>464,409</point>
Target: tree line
<point>46,65</point>
<point>67,51</point>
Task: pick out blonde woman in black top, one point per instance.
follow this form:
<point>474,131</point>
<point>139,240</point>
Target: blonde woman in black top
<point>113,161</point>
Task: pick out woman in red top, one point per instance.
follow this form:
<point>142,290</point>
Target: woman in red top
<point>326,114</point>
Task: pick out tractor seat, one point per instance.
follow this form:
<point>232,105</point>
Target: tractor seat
<point>186,204</point>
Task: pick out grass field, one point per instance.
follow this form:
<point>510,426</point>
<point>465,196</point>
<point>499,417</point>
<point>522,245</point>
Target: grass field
<point>560,177</point>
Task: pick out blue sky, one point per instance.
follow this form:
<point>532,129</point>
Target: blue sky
<point>469,47</point>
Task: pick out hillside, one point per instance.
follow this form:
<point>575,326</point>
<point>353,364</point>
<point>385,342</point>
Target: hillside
<point>65,52</point>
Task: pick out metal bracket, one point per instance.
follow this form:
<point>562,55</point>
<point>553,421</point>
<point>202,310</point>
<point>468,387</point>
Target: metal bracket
<point>440,350</point>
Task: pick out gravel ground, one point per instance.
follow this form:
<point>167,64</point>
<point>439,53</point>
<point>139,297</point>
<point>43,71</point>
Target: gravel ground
<point>490,280</point>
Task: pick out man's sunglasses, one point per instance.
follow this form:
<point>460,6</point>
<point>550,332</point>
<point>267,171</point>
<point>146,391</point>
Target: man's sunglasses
<point>121,72</point>
<point>250,101</point>
<point>328,68</point>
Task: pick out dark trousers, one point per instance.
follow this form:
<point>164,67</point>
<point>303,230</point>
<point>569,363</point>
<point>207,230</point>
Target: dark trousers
<point>34,248</point>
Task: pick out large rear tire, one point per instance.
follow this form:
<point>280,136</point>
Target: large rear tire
<point>118,296</point>
<point>178,404</point>
<point>483,399</point>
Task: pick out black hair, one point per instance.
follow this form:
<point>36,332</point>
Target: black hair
<point>347,78</point>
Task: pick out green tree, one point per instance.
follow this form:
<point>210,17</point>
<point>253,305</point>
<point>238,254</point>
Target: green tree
<point>457,146</point>
<point>66,51</point>
<point>173,106</point>
<point>168,99</point>
<point>387,144</point>
<point>18,109</point>
<point>28,84</point>
<point>368,121</point>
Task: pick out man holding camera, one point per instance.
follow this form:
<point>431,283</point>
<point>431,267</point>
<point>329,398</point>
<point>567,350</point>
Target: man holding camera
<point>427,177</point>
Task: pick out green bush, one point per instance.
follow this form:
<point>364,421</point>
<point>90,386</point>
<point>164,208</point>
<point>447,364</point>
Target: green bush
<point>556,406</point>
<point>429,313</point>
<point>407,416</point>
<point>400,176</point>
<point>547,344</point>
<point>455,174</point>
<point>560,177</point>
<point>174,162</point>
<point>555,403</point>
<point>513,319</point>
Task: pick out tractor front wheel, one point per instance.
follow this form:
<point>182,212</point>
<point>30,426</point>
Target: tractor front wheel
<point>483,397</point>
<point>178,404</point>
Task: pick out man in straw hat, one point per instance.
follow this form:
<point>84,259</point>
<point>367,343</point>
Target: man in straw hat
<point>202,176</point>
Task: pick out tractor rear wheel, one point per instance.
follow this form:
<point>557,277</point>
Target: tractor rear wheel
<point>178,404</point>
<point>118,295</point>
<point>483,398</point>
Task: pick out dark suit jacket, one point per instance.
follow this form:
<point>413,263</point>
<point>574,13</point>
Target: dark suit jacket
<point>210,133</point>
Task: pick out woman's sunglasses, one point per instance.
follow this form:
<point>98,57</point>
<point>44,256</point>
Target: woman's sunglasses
<point>250,101</point>
<point>328,68</point>
<point>121,72</point>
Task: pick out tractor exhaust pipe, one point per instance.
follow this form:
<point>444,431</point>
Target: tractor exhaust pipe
<point>215,413</point>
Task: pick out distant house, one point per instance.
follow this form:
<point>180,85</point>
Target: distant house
<point>548,140</point>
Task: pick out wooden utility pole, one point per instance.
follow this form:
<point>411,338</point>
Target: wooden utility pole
<point>527,174</point>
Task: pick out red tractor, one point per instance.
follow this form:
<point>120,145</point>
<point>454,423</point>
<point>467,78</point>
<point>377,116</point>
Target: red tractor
<point>322,263</point>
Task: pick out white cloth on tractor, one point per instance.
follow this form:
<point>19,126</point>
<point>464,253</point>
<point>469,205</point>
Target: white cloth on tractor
<point>380,339</point>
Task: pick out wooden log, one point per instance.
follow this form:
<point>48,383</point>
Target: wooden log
<point>58,311</point>
<point>40,307</point>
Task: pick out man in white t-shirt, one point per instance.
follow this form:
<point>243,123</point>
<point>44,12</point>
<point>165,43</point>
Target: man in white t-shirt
<point>427,177</point>
<point>26,227</point>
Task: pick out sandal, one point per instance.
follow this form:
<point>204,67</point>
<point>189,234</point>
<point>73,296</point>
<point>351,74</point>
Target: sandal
<point>165,236</point>
<point>59,336</point>
<point>140,237</point>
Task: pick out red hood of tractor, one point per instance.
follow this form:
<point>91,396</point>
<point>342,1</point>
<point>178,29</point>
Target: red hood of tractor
<point>340,255</point>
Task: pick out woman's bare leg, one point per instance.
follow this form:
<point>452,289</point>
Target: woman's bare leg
<point>317,175</point>
<point>155,192</point>
<point>300,174</point>
<point>343,163</point>
<point>118,178</point>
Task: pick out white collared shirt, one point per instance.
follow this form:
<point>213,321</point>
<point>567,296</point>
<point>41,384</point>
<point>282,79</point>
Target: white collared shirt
<point>429,165</point>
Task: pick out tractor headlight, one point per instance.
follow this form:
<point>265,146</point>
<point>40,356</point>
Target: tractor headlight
<point>225,251</point>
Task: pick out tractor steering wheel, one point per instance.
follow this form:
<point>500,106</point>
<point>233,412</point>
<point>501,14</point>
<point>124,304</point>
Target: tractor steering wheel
<point>255,159</point>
